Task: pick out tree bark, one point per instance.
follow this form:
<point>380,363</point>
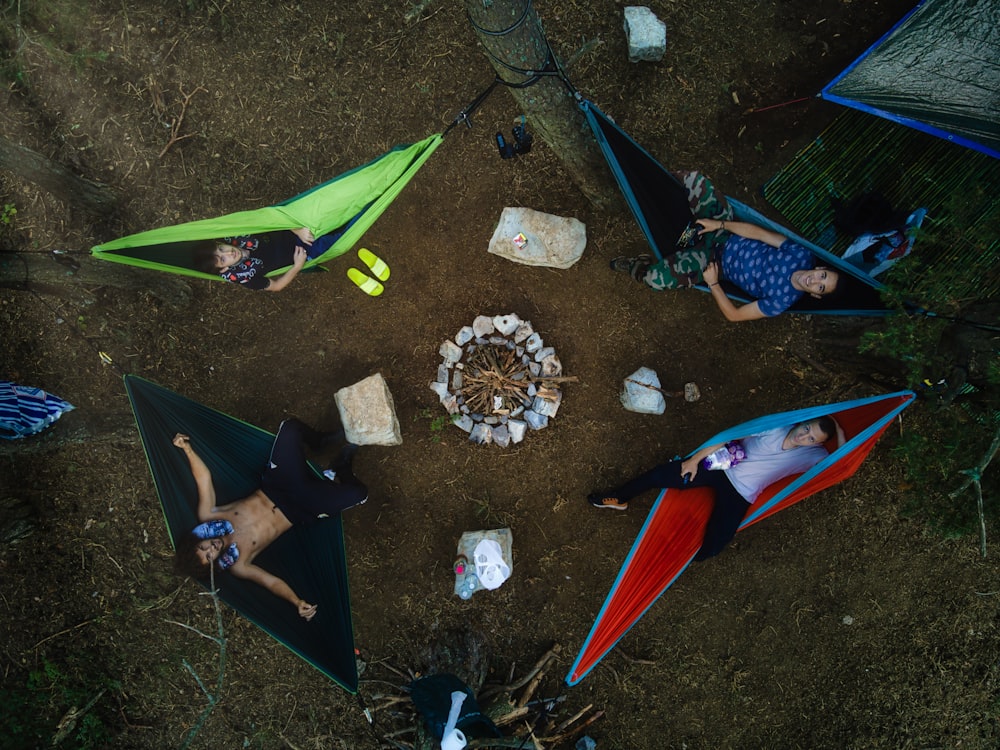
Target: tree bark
<point>76,277</point>
<point>88,196</point>
<point>548,103</point>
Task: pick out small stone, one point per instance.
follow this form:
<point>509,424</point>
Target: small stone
<point>450,403</point>
<point>491,420</point>
<point>519,351</point>
<point>647,34</point>
<point>517,429</point>
<point>465,422</point>
<point>441,389</point>
<point>456,380</point>
<point>847,620</point>
<point>501,436</point>
<point>544,352</point>
<point>450,351</point>
<point>546,407</point>
<point>532,389</point>
<point>476,417</point>
<point>551,366</point>
<point>533,343</point>
<point>535,369</point>
<point>464,336</point>
<point>483,326</point>
<point>535,420</point>
<point>465,410</point>
<point>498,340</point>
<point>443,374</point>
<point>481,434</point>
<point>517,412</point>
<point>523,331</point>
<point>480,340</point>
<point>506,324</point>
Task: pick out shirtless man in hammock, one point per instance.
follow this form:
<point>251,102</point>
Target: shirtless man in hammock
<point>232,535</point>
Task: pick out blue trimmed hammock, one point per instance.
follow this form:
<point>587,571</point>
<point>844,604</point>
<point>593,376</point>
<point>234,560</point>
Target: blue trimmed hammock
<point>673,531</point>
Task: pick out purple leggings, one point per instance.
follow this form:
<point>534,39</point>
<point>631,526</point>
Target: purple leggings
<point>295,488</point>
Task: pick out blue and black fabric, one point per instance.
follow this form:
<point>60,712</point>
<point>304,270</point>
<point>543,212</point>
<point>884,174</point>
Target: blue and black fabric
<point>431,696</point>
<point>310,558</point>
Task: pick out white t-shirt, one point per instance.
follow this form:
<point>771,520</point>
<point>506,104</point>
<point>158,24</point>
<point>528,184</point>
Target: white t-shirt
<point>766,462</point>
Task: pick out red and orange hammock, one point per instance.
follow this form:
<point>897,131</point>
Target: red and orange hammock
<point>672,534</point>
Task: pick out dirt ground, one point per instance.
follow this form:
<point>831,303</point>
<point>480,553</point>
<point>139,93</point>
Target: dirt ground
<point>837,624</point>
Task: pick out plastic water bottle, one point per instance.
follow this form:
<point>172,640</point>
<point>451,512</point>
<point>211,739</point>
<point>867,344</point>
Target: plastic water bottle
<point>726,457</point>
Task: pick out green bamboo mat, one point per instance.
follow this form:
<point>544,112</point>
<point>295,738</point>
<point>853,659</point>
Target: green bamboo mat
<point>859,153</point>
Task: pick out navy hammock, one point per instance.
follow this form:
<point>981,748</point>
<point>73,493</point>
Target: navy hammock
<point>661,206</point>
<point>311,558</point>
<point>675,527</point>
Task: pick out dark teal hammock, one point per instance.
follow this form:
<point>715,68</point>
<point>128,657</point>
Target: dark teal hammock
<point>659,203</point>
<point>310,558</point>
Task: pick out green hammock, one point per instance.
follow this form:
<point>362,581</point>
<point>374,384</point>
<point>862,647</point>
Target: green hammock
<point>310,558</point>
<point>353,200</point>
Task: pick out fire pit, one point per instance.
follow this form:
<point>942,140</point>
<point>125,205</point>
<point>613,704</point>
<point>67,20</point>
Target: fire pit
<point>498,380</point>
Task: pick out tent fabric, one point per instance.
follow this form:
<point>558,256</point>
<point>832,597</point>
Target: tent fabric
<point>26,410</point>
<point>937,70</point>
<point>659,203</point>
<point>675,526</point>
<point>352,201</point>
<point>310,558</point>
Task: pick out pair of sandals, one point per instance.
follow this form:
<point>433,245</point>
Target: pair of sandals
<point>377,266</point>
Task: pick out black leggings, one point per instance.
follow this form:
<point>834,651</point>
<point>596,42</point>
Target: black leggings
<point>728,511</point>
<point>294,487</point>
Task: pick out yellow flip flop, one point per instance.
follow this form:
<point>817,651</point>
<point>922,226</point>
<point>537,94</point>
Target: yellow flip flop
<point>365,283</point>
<point>378,266</point>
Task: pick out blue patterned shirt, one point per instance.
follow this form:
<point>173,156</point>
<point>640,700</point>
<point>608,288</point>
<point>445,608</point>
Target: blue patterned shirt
<point>764,272</point>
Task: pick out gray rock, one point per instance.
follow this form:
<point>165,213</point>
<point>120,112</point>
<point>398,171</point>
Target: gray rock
<point>441,389</point>
<point>647,34</point>
<point>367,412</point>
<point>552,241</point>
<point>443,374</point>
<point>501,436</point>
<point>535,420</point>
<point>464,336</point>
<point>482,326</point>
<point>450,351</point>
<point>517,429</point>
<point>545,407</point>
<point>637,397</point>
<point>456,380</point>
<point>506,324</point>
<point>465,422</point>
<point>551,366</point>
<point>546,351</point>
<point>481,434</point>
<point>533,343</point>
<point>523,331</point>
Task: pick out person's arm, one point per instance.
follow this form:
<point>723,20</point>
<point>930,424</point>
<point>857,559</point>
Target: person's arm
<point>288,276</point>
<point>732,312</point>
<point>841,437</point>
<point>276,586</point>
<point>202,477</point>
<point>689,466</point>
<point>742,229</point>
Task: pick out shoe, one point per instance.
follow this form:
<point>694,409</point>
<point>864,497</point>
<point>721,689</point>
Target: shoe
<point>635,267</point>
<point>365,283</point>
<point>603,501</point>
<point>622,264</point>
<point>378,267</point>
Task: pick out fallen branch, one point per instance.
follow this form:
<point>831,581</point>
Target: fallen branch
<point>177,122</point>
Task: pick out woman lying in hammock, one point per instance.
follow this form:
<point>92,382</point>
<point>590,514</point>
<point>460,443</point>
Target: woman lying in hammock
<point>766,458</point>
<point>248,259</point>
<point>232,535</point>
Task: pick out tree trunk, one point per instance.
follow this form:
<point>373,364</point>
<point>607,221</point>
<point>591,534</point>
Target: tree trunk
<point>90,197</point>
<point>547,103</point>
<point>76,277</point>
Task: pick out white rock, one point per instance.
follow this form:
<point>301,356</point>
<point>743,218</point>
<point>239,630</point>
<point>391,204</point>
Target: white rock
<point>456,380</point>
<point>367,412</point>
<point>535,369</point>
<point>443,374</point>
<point>441,389</point>
<point>506,324</point>
<point>450,351</point>
<point>465,422</point>
<point>545,407</point>
<point>551,366</point>
<point>450,403</point>
<point>638,398</point>
<point>647,34</point>
<point>517,428</point>
<point>523,331</point>
<point>482,326</point>
<point>553,241</point>
<point>464,336</point>
<point>533,343</point>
